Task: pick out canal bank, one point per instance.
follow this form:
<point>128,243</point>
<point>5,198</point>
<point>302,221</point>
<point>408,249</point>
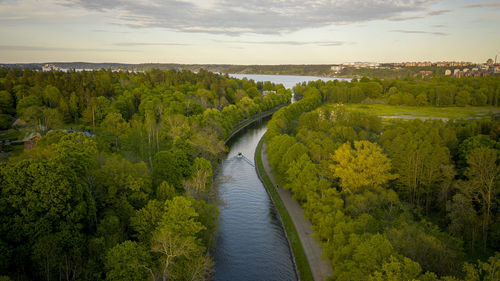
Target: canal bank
<point>300,261</point>
<point>307,251</point>
<point>249,121</point>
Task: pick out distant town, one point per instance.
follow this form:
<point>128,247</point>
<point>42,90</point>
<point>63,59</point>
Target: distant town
<point>453,68</point>
<point>423,69</point>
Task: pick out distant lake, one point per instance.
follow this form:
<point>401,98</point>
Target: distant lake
<point>289,81</point>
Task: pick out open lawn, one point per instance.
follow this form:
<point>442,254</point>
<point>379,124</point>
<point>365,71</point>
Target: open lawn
<point>426,112</point>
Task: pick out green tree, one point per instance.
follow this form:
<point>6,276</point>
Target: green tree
<point>74,109</point>
<point>171,166</point>
<point>487,271</point>
<point>483,176</point>
<point>48,200</point>
<point>419,153</point>
<point>463,98</point>
<point>175,238</point>
<point>395,270</point>
<point>421,99</point>
<point>364,166</point>
<point>165,191</point>
<point>6,103</point>
<point>147,219</point>
<point>129,261</point>
<point>122,182</point>
<point>200,184</point>
<point>464,221</point>
<point>115,125</point>
<point>51,96</point>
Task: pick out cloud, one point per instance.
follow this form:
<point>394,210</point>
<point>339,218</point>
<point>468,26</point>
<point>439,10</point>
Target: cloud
<point>420,15</point>
<point>108,31</point>
<point>234,17</point>
<point>483,5</point>
<point>291,43</point>
<point>438,12</point>
<point>135,44</point>
<point>56,49</point>
<point>420,32</point>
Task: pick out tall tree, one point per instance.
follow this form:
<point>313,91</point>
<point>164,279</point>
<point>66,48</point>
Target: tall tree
<point>483,179</point>
<point>115,125</point>
<point>364,166</point>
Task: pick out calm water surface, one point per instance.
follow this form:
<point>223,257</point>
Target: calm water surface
<point>251,244</point>
<point>287,80</point>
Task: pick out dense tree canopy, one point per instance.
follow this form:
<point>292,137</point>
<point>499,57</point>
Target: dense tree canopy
<point>394,200</point>
<point>130,197</point>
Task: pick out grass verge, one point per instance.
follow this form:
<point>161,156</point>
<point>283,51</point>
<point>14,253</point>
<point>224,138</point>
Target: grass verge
<point>413,112</point>
<point>300,258</point>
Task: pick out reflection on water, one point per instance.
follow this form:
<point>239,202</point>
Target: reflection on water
<point>289,81</point>
<point>250,244</point>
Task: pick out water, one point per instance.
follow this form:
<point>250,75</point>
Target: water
<point>251,244</point>
<point>289,81</point>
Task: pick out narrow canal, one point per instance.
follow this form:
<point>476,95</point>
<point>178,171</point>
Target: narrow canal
<point>251,243</point>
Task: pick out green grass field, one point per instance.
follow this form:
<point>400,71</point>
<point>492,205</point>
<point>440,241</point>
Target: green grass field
<point>297,249</point>
<point>426,112</point>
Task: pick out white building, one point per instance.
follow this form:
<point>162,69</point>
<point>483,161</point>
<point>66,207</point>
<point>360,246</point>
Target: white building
<point>336,68</point>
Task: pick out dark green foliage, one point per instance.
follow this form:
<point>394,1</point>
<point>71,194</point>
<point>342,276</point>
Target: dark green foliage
<point>425,222</point>
<point>171,166</point>
<point>437,91</point>
<point>128,261</point>
<point>112,205</point>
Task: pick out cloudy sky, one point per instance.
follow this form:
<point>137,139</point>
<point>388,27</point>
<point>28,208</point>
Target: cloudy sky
<point>248,31</point>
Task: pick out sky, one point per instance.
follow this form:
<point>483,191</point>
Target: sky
<point>248,31</point>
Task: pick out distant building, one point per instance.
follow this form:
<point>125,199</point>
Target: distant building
<point>361,65</point>
<point>49,67</point>
<point>425,73</point>
<point>496,68</point>
<point>428,63</point>
<point>30,143</point>
<point>336,68</point>
<point>447,72</point>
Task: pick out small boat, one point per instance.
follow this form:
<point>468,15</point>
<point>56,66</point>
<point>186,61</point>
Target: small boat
<point>240,155</point>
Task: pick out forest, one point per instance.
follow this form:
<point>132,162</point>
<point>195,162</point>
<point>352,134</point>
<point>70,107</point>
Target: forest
<point>394,199</point>
<point>119,185</point>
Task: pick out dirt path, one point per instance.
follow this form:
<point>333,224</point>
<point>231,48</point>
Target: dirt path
<point>320,267</point>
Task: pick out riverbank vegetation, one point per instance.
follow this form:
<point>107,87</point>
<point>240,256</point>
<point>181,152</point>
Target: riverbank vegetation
<point>394,199</point>
<point>299,255</point>
<point>115,182</point>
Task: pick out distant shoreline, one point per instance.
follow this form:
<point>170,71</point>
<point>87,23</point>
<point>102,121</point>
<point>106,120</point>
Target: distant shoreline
<point>379,70</point>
